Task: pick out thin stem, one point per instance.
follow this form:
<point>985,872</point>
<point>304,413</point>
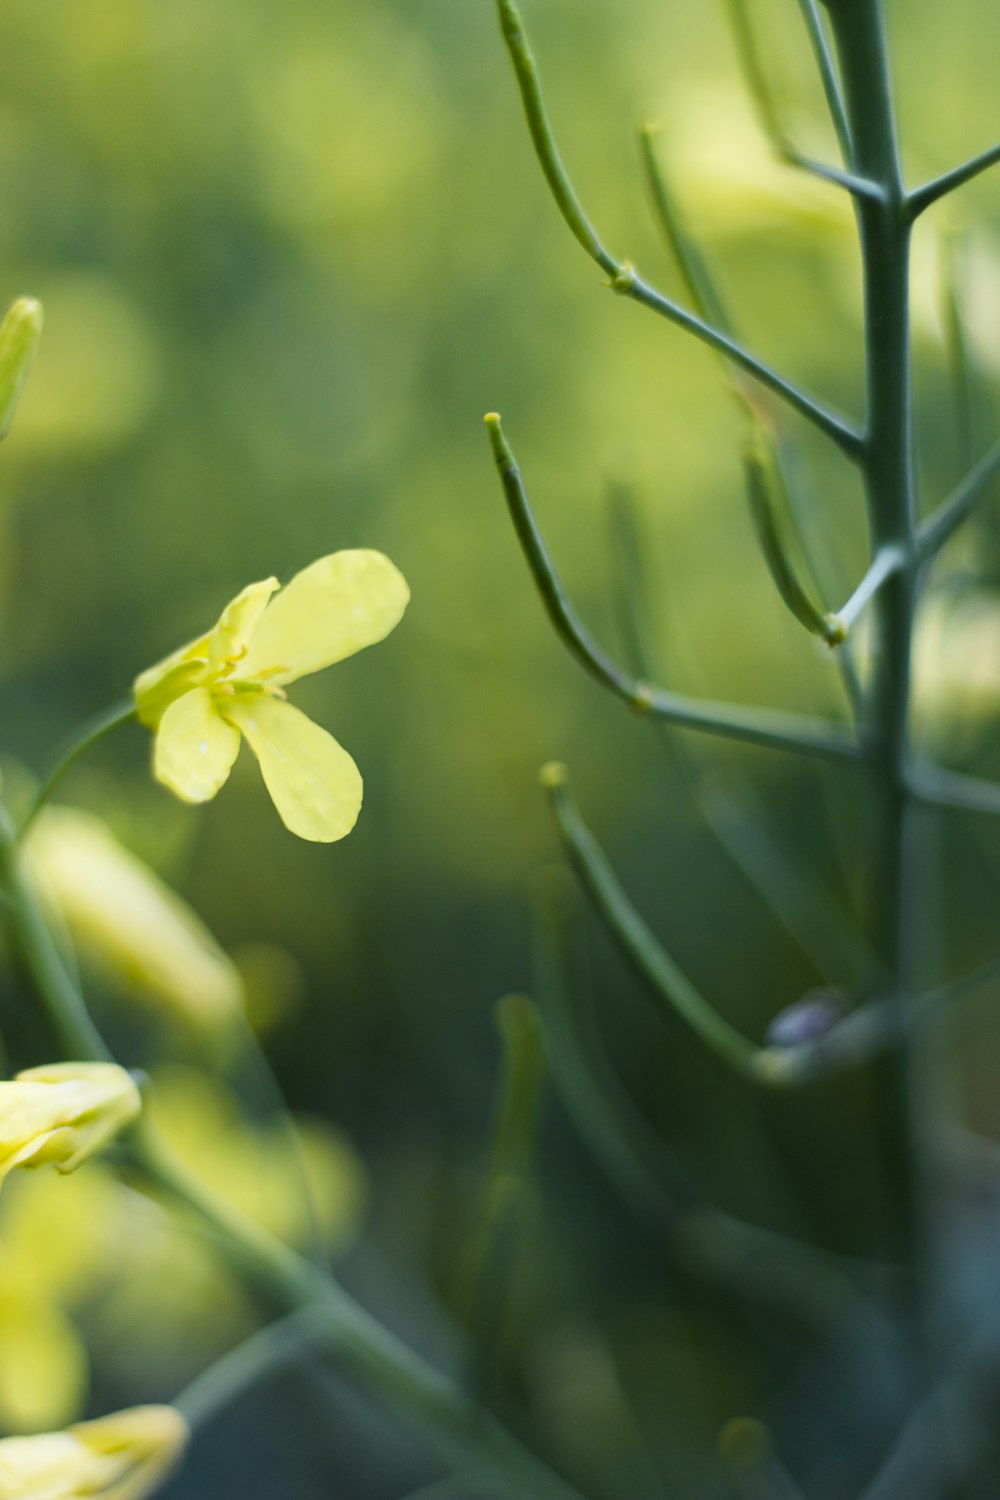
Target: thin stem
<point>622,276</point>
<point>762,481</point>
<point>760,89</point>
<point>697,279</point>
<point>665,980</point>
<point>767,727</point>
<point>949,516</point>
<point>960,368</point>
<point>36,950</point>
<point>91,734</point>
<point>794,892</point>
<point>922,197</point>
<point>828,77</point>
<point>627,283</point>
<point>233,1373</point>
<point>937,787</point>
<point>888,560</point>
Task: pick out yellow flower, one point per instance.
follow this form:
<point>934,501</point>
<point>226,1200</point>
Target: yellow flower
<point>62,1113</point>
<point>123,916</point>
<point>230,682</point>
<point>120,1457</point>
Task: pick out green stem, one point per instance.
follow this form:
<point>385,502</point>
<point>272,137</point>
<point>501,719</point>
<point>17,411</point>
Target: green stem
<point>756,726</point>
<point>39,957</point>
<point>91,734</point>
<point>887,468</point>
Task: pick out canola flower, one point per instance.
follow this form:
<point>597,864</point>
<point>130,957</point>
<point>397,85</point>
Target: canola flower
<point>229,684</point>
<point>124,1456</point>
<point>62,1113</point>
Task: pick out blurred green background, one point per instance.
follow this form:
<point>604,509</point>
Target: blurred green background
<point>289,255</point>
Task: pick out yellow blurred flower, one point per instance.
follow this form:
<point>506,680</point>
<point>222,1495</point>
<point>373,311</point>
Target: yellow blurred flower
<point>123,916</point>
<point>276,1176</point>
<point>62,1113</point>
<point>120,1457</point>
<point>230,682</point>
<point>730,177</point>
<point>61,1241</point>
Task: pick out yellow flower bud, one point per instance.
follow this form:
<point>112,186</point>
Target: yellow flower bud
<point>124,1456</point>
<point>123,917</point>
<point>62,1113</point>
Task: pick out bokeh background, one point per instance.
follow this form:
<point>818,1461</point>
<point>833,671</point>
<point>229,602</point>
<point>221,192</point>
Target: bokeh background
<point>289,255</point>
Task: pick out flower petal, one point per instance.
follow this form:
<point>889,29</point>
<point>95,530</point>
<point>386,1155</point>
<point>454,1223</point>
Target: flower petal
<point>195,747</point>
<point>330,610</point>
<point>313,782</point>
<point>157,687</point>
<point>228,639</point>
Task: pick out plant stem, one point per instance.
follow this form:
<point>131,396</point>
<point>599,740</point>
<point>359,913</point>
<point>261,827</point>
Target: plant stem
<point>887,468</point>
<point>90,734</point>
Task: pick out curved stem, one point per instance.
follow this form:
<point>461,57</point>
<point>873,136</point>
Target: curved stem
<point>91,734</point>
<point>769,727</point>
<point>623,278</point>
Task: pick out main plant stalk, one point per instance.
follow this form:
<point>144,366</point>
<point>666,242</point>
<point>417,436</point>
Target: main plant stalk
<point>888,470</point>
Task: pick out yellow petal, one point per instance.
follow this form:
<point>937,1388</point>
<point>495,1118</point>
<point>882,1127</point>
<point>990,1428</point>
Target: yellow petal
<point>43,1363</point>
<point>124,1456</point>
<point>330,610</point>
<point>195,747</point>
<point>228,640</point>
<point>313,782</point>
<point>155,689</point>
<point>120,914</point>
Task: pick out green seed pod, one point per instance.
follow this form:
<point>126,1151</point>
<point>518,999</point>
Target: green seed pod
<point>19,335</point>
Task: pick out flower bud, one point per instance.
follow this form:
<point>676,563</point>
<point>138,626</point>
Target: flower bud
<point>19,334</point>
<point>62,1113</point>
<point>124,1456</point>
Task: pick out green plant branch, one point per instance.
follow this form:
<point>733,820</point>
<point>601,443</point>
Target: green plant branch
<point>960,368</point>
<point>628,283</point>
<point>622,276</point>
<point>769,115</point>
<point>921,198</point>
<point>762,480</point>
<point>937,787</point>
<point>804,907</point>
<point>766,727</point>
<point>92,733</point>
<point>828,77</point>
<point>888,560</point>
<point>752,1264</point>
<point>701,288</point>
<point>233,1373</point>
<point>664,979</point>
<point>942,524</point>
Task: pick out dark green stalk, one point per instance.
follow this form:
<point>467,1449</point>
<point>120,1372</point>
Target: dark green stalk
<point>888,473</point>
